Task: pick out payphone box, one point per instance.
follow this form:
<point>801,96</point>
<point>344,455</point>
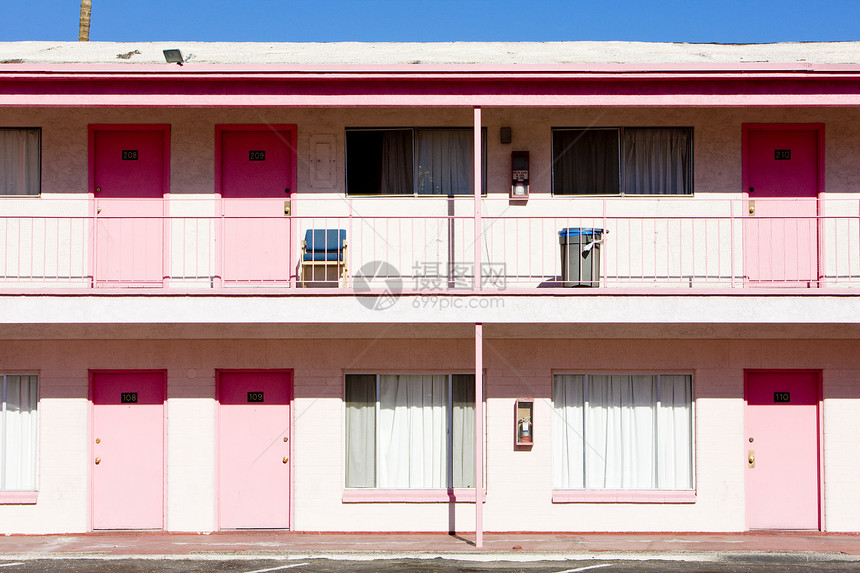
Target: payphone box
<point>519,175</point>
<point>524,422</point>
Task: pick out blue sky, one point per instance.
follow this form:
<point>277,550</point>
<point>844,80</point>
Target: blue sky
<point>728,21</point>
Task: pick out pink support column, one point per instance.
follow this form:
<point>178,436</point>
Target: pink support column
<point>479,435</point>
<point>478,186</point>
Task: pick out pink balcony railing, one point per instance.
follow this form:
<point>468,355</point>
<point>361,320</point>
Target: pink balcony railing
<point>604,248</point>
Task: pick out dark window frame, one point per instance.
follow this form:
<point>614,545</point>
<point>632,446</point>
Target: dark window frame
<point>414,150</point>
<point>619,157</point>
<point>38,162</point>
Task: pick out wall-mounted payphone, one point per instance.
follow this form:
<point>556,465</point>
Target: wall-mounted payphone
<point>519,174</point>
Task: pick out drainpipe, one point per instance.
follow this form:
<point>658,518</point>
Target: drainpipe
<point>479,434</point>
<point>478,186</point>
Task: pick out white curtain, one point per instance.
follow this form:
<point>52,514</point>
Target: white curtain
<point>675,448</point>
<point>396,168</point>
<point>568,398</point>
<point>412,431</point>
<point>20,425</point>
<point>463,431</point>
<point>361,430</point>
<point>619,430</point>
<point>19,161</point>
<point>622,432</point>
<point>657,161</point>
<point>444,160</point>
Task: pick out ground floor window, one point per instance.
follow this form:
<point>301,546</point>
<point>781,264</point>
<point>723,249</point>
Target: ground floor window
<point>19,424</point>
<point>622,431</point>
<point>410,431</point>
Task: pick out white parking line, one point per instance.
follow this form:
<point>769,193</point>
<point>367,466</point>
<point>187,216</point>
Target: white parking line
<point>277,568</point>
<point>584,568</point>
<point>10,564</point>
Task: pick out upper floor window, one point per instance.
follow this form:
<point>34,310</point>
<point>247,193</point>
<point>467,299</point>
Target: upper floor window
<point>411,161</point>
<point>629,161</point>
<point>20,161</point>
<point>410,431</point>
<point>622,431</point>
<point>19,425</point>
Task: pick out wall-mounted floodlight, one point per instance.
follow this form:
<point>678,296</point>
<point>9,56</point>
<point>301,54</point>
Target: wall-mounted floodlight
<point>173,57</point>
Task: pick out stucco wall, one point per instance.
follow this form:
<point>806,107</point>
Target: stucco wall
<point>717,143</point>
<point>519,483</point>
<point>708,252</point>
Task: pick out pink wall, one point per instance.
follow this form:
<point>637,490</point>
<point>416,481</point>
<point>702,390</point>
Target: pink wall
<point>515,479</point>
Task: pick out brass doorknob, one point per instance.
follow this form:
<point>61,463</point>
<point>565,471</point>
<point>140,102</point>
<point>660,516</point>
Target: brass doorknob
<point>98,461</point>
<point>98,189</point>
<point>286,460</point>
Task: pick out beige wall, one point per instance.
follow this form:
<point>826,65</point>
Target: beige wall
<point>710,251</point>
<point>717,139</point>
<point>519,484</point>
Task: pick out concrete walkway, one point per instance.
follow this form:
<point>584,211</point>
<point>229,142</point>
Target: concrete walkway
<point>520,546</point>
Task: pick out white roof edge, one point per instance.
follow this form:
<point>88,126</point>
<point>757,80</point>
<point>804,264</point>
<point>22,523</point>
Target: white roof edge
<point>393,53</point>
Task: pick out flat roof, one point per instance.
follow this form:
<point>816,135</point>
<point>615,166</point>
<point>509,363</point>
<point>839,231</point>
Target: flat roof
<point>440,53</point>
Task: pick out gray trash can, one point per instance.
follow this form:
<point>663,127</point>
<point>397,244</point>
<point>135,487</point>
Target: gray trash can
<point>580,256</point>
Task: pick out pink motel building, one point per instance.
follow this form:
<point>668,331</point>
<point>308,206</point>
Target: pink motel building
<point>429,287</point>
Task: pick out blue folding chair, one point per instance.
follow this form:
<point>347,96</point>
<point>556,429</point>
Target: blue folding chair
<point>324,251</point>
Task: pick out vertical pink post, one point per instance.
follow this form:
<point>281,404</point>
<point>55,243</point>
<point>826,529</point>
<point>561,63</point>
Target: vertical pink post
<point>477,161</point>
<point>479,433</point>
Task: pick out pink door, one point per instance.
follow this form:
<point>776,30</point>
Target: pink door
<point>256,170</point>
<point>781,230</point>
<point>128,450</point>
<point>781,447</point>
<point>128,183</point>
<point>254,434</point>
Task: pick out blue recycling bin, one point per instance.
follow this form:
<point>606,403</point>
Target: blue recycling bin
<point>580,256</point>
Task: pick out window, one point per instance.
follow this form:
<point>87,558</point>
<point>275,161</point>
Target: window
<point>622,431</point>
<point>19,424</point>
<point>410,431</point>
<point>20,161</point>
<point>409,161</point>
<point>630,161</point>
